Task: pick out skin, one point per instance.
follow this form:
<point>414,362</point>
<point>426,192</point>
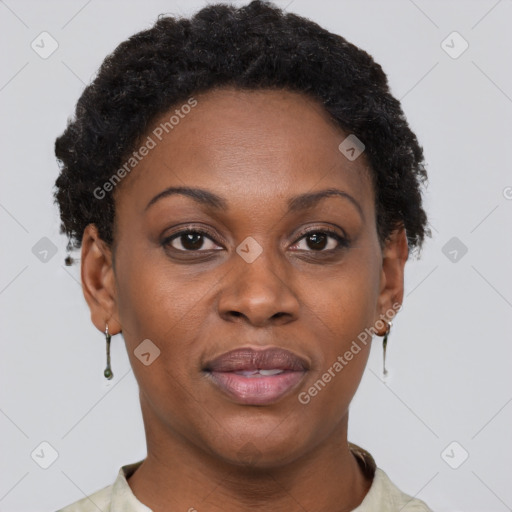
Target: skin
<point>256,149</point>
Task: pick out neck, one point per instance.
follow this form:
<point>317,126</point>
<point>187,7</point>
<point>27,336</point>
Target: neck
<point>179,475</point>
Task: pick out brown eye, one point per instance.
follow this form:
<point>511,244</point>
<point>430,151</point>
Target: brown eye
<point>189,241</point>
<point>317,241</point>
<point>321,241</point>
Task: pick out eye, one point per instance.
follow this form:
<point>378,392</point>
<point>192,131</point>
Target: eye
<point>321,240</point>
<point>190,240</point>
<point>317,240</point>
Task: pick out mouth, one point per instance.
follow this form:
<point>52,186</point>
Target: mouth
<point>257,377</point>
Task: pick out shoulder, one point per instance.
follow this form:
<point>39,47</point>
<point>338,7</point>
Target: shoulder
<point>114,497</point>
<point>100,500</point>
<point>384,495</point>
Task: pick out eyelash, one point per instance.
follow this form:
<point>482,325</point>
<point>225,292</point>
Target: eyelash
<point>342,241</point>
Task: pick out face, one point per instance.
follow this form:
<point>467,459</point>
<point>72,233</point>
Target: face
<point>257,257</point>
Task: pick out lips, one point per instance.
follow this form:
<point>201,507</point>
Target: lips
<point>248,359</point>
<point>257,377</point>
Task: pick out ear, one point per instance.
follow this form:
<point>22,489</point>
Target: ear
<point>394,256</point>
<point>98,281</point>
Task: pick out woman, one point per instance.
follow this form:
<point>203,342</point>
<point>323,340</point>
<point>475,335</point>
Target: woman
<point>245,192</point>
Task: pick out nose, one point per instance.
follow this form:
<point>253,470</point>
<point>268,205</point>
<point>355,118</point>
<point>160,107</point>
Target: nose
<point>259,293</point>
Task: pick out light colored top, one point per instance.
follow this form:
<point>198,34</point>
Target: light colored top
<point>383,495</point>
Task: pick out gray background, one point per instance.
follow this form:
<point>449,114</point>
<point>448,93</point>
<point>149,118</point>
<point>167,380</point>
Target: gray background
<point>449,353</point>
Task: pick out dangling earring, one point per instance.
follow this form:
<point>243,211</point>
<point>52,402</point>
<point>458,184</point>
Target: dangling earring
<point>384,345</point>
<point>108,370</point>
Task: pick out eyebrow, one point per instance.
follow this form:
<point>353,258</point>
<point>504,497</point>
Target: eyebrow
<point>311,199</point>
<point>199,195</point>
<point>301,202</point>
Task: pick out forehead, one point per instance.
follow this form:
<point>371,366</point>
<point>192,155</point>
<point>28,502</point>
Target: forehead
<point>246,144</point>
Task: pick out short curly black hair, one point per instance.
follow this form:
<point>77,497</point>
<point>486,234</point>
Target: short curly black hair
<point>257,46</point>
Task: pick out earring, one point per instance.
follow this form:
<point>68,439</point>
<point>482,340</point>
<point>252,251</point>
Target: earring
<point>384,345</point>
<point>108,370</point>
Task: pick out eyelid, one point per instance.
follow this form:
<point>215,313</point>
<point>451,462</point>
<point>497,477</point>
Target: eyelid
<point>321,229</point>
<point>199,228</point>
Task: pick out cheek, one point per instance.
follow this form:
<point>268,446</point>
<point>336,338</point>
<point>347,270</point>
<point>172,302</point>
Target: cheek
<point>156,306</point>
<point>342,308</point>
<point>169,308</point>
<point>341,354</point>
<point>344,303</point>
<point>157,300</point>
